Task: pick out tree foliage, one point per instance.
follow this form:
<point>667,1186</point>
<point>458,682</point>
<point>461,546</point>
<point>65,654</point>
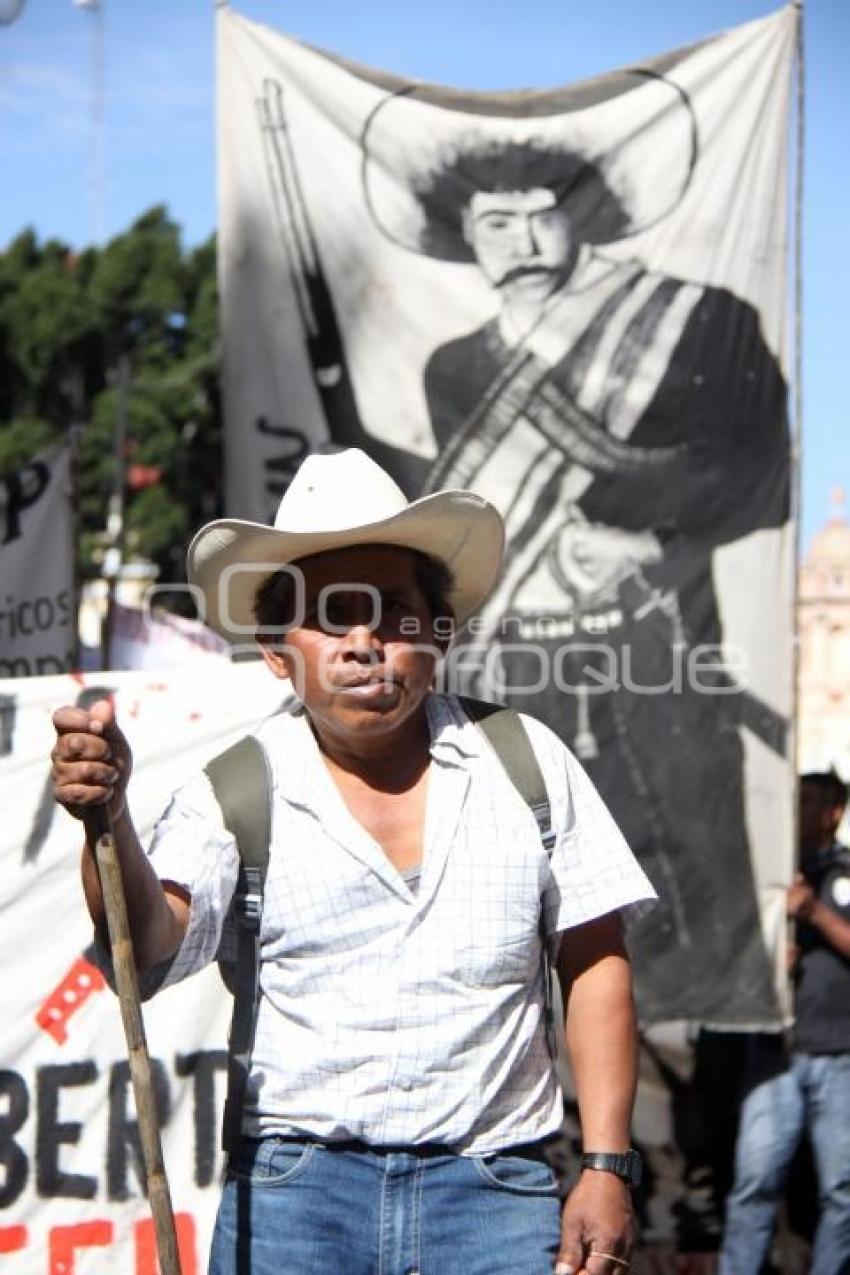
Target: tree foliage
<point>127,331</point>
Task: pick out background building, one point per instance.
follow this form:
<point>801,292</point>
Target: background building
<point>824,636</point>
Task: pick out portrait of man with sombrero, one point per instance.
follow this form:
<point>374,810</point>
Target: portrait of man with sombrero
<point>628,424</point>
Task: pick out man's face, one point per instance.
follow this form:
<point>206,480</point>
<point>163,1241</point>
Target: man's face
<point>361,652</point>
<point>520,235</point>
<point>818,817</point>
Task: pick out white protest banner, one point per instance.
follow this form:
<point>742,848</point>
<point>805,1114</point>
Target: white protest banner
<point>71,1198</point>
<point>154,638</point>
<point>573,302</point>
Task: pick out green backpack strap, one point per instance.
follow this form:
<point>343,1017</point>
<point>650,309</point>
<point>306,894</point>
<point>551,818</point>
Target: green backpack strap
<point>504,730</point>
<point>241,782</point>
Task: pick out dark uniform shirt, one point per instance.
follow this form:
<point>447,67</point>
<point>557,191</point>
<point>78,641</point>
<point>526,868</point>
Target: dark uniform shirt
<point>822,975</point>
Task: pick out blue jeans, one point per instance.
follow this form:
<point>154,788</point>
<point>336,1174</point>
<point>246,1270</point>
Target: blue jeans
<point>810,1092</point>
<point>302,1208</point>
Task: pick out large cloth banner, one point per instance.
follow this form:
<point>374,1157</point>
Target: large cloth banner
<point>71,1196</point>
<point>572,302</point>
<point>36,568</point>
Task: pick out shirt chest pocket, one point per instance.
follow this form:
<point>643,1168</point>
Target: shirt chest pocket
<point>484,962</point>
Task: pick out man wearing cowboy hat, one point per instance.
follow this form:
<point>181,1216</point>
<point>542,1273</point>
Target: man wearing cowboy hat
<point>627,424</point>
<point>401,1090</point>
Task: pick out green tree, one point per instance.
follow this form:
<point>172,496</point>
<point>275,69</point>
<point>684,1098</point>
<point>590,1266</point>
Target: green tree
<point>69,322</point>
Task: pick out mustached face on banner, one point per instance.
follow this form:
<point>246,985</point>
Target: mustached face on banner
<point>520,194</point>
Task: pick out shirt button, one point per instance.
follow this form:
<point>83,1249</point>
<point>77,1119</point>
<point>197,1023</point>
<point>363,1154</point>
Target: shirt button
<point>405,1084</point>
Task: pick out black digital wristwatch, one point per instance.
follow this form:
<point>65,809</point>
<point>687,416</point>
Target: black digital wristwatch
<point>625,1164</point>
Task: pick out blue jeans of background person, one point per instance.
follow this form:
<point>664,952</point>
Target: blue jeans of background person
<point>811,1092</point>
<point>301,1208</point>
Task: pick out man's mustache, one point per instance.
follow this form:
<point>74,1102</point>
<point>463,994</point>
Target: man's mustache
<point>522,272</point>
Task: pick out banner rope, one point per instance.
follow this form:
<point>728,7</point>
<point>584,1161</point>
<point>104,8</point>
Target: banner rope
<point>797,432</point>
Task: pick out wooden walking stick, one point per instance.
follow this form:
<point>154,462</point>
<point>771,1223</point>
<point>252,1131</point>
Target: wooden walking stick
<point>99,830</point>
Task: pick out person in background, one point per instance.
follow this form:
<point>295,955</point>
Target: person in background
<point>806,1091</point>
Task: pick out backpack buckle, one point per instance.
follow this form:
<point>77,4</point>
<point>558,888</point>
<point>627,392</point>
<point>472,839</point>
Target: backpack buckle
<point>248,902</point>
<point>548,835</point>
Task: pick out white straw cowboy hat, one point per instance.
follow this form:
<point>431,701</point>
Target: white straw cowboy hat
<point>334,502</point>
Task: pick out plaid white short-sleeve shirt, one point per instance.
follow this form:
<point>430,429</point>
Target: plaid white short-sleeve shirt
<point>390,1016</point>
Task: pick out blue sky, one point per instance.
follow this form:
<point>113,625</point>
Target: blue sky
<point>158,134</point>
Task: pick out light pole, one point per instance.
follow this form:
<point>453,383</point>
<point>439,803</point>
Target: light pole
<point>114,554</point>
<point>94,8</point>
